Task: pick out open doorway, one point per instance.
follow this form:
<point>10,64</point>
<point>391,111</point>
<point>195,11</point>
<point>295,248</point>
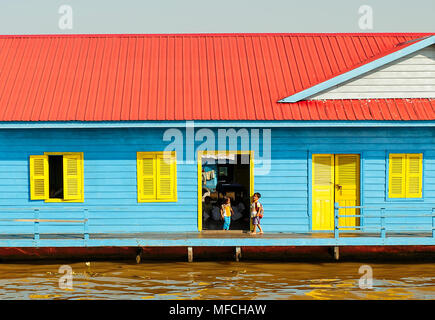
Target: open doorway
<point>225,175</point>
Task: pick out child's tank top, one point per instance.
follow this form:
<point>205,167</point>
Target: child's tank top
<point>227,210</point>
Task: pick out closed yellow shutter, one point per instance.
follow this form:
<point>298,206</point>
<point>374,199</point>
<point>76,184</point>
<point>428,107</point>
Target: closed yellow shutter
<point>414,175</point>
<point>323,192</point>
<point>146,175</point>
<point>72,176</point>
<point>38,177</point>
<point>165,174</point>
<point>156,176</point>
<point>397,174</point>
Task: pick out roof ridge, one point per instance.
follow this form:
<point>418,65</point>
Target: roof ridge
<point>295,34</point>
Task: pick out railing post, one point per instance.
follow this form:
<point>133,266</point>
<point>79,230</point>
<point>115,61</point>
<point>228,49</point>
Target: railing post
<point>36,227</point>
<point>383,231</point>
<point>433,222</point>
<point>336,213</point>
<point>85,225</point>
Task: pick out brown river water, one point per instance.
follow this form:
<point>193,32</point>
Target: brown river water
<point>217,280</point>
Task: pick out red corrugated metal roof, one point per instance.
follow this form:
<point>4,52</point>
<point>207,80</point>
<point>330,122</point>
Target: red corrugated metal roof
<point>190,77</point>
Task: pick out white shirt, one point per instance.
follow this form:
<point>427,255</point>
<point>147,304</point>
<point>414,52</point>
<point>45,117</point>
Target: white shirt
<point>254,212</point>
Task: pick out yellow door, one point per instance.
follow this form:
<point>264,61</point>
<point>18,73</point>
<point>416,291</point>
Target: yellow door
<point>323,192</point>
<point>347,187</point>
<point>335,178</point>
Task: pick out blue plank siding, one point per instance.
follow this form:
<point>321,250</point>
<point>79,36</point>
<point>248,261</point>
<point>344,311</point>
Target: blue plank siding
<point>110,177</point>
<point>109,180</point>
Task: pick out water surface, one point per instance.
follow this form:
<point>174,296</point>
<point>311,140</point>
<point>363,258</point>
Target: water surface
<point>217,280</point>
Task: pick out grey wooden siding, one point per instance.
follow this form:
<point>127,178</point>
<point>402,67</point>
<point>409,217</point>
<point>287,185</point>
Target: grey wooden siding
<point>409,77</point>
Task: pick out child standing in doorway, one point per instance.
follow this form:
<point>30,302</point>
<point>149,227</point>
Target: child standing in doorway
<point>226,212</point>
<point>256,212</point>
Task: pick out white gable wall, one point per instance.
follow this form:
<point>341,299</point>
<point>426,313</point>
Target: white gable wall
<point>412,76</point>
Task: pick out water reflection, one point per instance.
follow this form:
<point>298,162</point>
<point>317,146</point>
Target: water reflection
<point>218,280</point>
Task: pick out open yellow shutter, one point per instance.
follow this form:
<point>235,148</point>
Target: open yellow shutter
<point>38,177</point>
<point>146,177</point>
<point>414,175</point>
<point>166,177</point>
<point>397,175</point>
<point>72,177</point>
<point>323,192</point>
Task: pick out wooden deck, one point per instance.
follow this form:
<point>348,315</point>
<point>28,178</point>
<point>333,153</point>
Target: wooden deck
<point>215,238</point>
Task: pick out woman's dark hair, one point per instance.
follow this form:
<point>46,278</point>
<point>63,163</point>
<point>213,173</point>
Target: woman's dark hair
<point>257,194</point>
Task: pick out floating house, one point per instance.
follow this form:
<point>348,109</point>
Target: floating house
<point>132,141</point>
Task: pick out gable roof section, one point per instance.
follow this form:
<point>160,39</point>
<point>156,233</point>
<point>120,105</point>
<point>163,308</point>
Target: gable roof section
<point>191,77</point>
<point>399,51</point>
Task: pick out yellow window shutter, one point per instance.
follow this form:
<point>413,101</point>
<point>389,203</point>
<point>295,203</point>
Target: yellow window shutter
<point>72,176</point>
<point>166,177</point>
<point>397,175</point>
<point>146,176</point>
<point>414,175</point>
<point>38,177</point>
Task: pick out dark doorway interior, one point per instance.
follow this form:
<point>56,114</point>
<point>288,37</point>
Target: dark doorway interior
<point>229,179</point>
<point>55,174</point>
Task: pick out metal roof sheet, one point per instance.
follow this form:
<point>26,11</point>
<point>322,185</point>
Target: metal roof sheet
<point>190,77</point>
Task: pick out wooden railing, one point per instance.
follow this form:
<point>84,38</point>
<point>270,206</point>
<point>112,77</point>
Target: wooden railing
<point>34,218</point>
<point>44,221</point>
<point>386,212</point>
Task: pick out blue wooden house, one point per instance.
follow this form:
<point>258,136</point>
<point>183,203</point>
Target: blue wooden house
<point>134,140</point>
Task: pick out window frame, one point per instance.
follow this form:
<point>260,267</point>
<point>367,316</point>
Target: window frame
<point>81,199</point>
<point>387,171</point>
<point>156,154</point>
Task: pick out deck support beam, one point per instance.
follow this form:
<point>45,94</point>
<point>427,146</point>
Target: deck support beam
<point>336,253</point>
<point>139,255</point>
<point>189,254</point>
<point>238,253</point>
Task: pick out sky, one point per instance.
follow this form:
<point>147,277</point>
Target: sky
<point>218,16</point>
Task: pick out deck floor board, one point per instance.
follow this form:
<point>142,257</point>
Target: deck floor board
<point>212,235</point>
